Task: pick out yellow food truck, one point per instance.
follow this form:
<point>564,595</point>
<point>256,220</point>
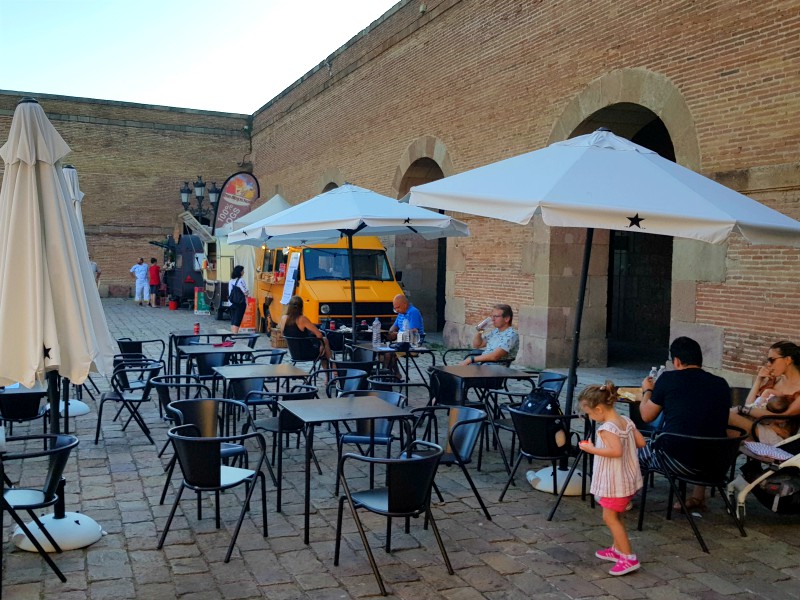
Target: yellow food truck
<point>320,275</point>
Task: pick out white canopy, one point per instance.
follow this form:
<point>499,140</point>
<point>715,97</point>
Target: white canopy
<point>51,318</point>
<point>604,181</point>
<point>271,207</point>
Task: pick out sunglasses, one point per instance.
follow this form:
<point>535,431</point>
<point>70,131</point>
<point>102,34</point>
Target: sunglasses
<point>772,359</point>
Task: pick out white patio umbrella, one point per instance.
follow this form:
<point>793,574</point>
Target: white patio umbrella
<point>51,318</point>
<point>75,195</point>
<point>271,207</point>
<point>347,210</point>
<point>600,180</point>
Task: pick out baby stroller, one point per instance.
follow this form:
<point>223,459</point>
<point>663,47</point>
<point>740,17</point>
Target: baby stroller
<point>774,480</point>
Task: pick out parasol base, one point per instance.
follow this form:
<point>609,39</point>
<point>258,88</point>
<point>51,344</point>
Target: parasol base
<point>542,480</point>
<point>76,408</point>
<point>75,530</point>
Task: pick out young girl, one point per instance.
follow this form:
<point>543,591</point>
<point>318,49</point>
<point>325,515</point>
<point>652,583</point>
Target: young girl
<point>617,476</point>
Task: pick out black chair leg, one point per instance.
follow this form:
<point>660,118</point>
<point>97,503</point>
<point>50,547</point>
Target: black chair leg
<point>475,491</point>
<point>170,517</point>
<point>42,552</point>
<point>510,478</point>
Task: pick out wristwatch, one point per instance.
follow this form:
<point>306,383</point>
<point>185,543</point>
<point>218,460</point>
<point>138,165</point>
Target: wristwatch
<point>472,360</point>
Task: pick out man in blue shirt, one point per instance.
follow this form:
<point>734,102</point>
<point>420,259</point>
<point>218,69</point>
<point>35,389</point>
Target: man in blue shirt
<point>409,315</point>
<point>406,312</point>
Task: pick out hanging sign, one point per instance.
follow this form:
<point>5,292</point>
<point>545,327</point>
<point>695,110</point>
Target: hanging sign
<point>291,270</point>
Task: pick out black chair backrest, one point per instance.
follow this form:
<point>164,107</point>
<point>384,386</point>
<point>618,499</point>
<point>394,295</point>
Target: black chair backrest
<point>336,340</point>
<point>143,371</point>
<point>20,407</point>
<point>446,389</point>
<point>356,354</point>
<point>410,478</point>
<point>207,361</point>
<point>302,349</point>
<point>553,382</point>
<point>288,421</point>
<point>249,338</point>
<point>537,433</point>
<point>199,456</point>
<point>350,380</point>
<point>370,366</point>
<point>272,357</point>
<point>465,426</point>
<point>206,414</point>
<point>175,387</point>
<point>708,459</point>
<point>239,388</point>
<point>739,395</point>
<point>130,346</point>
<point>58,450</point>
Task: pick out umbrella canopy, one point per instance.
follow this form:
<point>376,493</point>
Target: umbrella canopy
<point>51,318</point>
<point>347,210</point>
<point>604,181</point>
<point>75,195</point>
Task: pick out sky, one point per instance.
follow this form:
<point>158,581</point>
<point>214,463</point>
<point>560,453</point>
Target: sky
<point>222,55</point>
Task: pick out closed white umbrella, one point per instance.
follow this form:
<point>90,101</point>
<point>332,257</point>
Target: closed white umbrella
<point>75,195</point>
<point>347,211</point>
<point>51,318</point>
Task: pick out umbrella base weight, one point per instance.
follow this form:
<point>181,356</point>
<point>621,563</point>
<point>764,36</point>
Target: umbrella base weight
<point>75,530</point>
<point>542,480</point>
<point>76,408</point>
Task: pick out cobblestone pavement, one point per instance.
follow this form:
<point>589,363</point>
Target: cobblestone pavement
<point>518,554</point>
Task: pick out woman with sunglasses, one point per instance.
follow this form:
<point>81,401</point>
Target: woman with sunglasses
<point>778,376</point>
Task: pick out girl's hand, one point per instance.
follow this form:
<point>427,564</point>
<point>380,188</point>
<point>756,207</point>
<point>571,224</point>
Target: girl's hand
<point>587,446</point>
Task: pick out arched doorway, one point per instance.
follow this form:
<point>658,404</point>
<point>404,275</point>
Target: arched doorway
<point>423,262</point>
<point>329,186</point>
<point>639,264</point>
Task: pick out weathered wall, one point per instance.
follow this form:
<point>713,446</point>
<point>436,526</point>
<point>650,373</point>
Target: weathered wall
<point>132,159</point>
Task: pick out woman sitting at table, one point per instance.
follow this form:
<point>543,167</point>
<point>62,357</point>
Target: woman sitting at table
<point>295,324</point>
<point>778,376</point>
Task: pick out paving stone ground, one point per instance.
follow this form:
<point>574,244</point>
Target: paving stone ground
<point>518,554</point>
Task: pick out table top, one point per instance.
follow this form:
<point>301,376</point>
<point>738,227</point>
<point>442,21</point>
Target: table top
<point>258,370</point>
<point>38,388</point>
<point>211,348</point>
<point>343,409</point>
<point>386,348</point>
<point>191,333</point>
<point>476,371</point>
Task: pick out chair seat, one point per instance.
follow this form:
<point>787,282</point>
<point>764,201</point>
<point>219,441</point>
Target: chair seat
<point>230,476</point>
<point>26,498</point>
<point>504,424</point>
<point>376,500</point>
<point>117,397</point>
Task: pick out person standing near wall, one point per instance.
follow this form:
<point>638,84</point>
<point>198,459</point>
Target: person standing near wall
<point>139,273</point>
<point>154,275</point>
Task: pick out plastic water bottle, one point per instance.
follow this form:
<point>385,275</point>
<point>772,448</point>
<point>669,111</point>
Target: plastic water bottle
<point>376,332</point>
<point>653,373</point>
<point>661,369</point>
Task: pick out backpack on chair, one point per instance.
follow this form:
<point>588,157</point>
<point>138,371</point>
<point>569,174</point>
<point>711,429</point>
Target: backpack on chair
<point>545,402</point>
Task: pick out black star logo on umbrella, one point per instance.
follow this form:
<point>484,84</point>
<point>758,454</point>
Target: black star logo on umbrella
<point>408,220</point>
<point>635,221</point>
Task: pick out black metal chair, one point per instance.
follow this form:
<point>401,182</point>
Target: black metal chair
<point>130,400</point>
<point>343,380</point>
<point>552,382</point>
<point>148,348</point>
<point>336,342</point>
<point>200,459</point>
<point>704,461</point>
<point>248,338</point>
<point>391,383</point>
<point>213,417</point>
<point>170,388</point>
<point>204,364</point>
<point>370,366</point>
<point>57,449</point>
<point>407,493</point>
<point>541,437</point>
<point>459,434</point>
<point>280,423</point>
<point>375,433</point>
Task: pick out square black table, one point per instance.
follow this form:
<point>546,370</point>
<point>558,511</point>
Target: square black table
<point>335,410</point>
<point>251,371</point>
<point>193,349</point>
<point>179,338</point>
<point>409,355</point>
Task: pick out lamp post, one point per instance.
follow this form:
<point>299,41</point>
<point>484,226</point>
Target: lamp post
<point>201,213</point>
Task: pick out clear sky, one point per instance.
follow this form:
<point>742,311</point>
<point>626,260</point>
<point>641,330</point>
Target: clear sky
<point>224,55</point>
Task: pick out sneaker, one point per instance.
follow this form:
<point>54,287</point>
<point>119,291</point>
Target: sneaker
<point>624,565</point>
<point>608,554</point>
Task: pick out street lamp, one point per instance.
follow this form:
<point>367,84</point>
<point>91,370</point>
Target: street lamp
<point>200,213</point>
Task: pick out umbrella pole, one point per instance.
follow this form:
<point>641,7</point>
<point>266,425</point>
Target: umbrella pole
<point>572,379</point>
<point>351,262</point>
<point>54,399</point>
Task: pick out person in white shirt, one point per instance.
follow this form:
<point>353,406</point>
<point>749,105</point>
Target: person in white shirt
<point>139,272</point>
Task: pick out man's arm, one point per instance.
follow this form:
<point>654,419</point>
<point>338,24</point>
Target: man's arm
<point>647,408</point>
<point>478,341</point>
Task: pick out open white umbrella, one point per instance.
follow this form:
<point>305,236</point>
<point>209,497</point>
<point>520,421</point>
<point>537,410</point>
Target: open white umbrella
<point>51,318</point>
<point>347,210</point>
<point>604,181</point>
<point>271,207</point>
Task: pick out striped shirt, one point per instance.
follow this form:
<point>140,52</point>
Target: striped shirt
<point>617,477</point>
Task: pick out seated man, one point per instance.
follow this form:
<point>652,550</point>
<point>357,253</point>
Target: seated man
<point>409,316</point>
<point>694,402</point>
<point>500,343</point>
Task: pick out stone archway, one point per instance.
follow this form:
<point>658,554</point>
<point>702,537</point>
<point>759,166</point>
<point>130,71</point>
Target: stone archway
<point>329,179</point>
<point>424,263</point>
<point>632,103</point>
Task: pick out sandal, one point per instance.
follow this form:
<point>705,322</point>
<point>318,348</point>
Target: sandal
<point>692,504</point>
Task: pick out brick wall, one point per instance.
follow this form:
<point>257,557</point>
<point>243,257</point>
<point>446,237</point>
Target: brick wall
<point>132,159</point>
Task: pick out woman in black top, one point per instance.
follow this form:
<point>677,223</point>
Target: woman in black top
<point>295,324</point>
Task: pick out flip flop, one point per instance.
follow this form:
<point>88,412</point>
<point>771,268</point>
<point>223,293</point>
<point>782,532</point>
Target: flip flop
<point>692,504</point>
